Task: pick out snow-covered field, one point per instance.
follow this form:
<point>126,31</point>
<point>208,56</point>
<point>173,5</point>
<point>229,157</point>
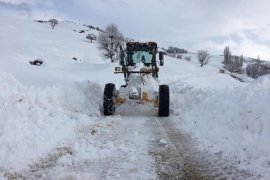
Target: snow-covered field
<point>50,114</point>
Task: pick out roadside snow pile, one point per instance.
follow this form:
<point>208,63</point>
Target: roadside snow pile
<point>233,121</point>
<point>33,120</point>
<point>106,148</point>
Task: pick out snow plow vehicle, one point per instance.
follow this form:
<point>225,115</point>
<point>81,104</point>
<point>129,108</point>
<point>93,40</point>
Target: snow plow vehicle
<point>138,64</point>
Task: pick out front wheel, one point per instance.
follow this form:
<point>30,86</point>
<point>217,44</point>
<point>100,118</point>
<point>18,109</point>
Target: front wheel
<point>164,101</point>
<point>108,97</point>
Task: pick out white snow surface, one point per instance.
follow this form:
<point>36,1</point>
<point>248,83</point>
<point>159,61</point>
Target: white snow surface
<point>227,116</point>
<point>57,105</point>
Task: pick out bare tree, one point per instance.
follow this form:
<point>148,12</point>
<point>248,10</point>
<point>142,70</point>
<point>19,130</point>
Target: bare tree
<point>227,56</point>
<point>109,42</point>
<point>232,63</point>
<point>237,64</point>
<point>53,22</point>
<point>203,57</point>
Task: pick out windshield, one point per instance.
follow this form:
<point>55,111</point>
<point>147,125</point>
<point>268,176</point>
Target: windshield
<point>142,56</point>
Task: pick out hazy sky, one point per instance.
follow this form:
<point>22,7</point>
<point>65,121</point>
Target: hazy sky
<point>244,25</point>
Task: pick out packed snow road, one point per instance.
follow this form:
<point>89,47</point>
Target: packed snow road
<point>136,147</point>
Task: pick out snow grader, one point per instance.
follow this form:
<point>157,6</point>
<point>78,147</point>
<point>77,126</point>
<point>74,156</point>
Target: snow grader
<point>140,68</point>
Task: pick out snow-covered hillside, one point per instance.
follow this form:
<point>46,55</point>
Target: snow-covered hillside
<point>50,114</point>
<point>23,41</point>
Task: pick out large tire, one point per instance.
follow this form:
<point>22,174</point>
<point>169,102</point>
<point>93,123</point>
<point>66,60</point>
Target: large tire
<point>108,97</point>
<point>164,101</point>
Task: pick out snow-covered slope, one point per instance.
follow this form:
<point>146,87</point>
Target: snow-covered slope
<point>23,41</point>
<point>58,104</point>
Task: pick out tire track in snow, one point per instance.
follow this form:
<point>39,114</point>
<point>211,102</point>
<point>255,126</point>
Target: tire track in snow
<point>178,157</point>
<point>41,167</point>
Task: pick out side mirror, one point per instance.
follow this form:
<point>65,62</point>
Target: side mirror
<point>161,56</point>
<point>161,59</point>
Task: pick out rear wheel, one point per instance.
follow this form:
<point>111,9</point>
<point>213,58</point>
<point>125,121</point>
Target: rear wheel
<point>108,106</point>
<point>164,101</point>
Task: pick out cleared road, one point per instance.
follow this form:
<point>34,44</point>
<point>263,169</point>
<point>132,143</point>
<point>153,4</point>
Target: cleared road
<point>177,156</point>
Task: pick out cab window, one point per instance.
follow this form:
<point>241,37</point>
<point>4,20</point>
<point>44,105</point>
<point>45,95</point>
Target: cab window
<point>142,56</point>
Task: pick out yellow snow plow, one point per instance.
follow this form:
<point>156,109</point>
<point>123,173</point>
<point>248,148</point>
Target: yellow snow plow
<point>140,68</point>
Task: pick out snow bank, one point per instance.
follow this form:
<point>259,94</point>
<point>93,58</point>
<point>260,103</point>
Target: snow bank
<point>33,121</point>
<point>233,121</point>
<point>206,77</point>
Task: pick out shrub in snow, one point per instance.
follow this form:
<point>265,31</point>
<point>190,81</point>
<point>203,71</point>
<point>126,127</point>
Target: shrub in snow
<point>179,56</point>
<point>77,59</point>
<point>203,57</point>
<point>36,62</point>
<point>98,29</point>
<point>91,37</point>
<point>91,27</point>
<point>221,70</point>
<point>40,21</point>
<point>188,58</point>
<point>176,50</point>
<point>109,42</point>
